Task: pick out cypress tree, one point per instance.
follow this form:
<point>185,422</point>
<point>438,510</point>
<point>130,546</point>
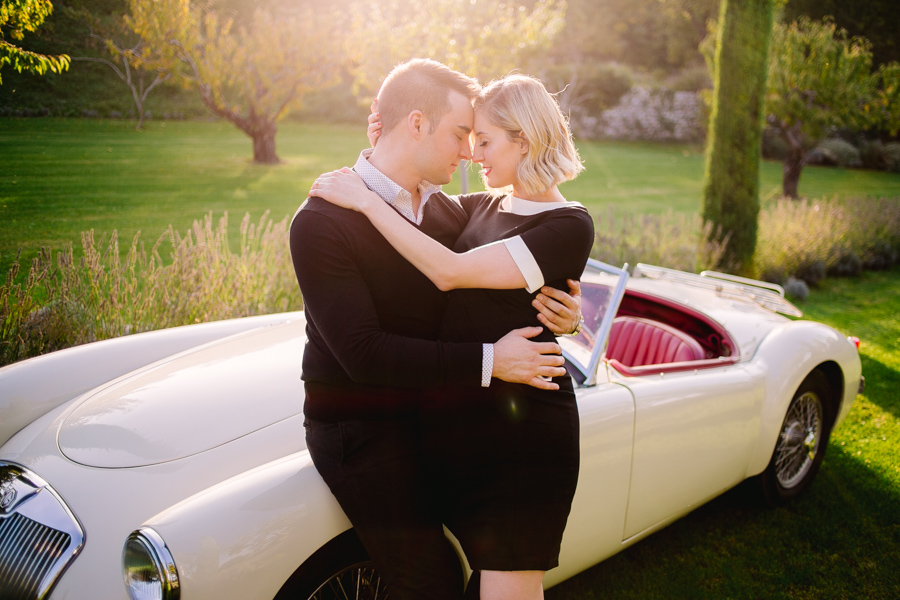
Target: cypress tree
<point>731,190</point>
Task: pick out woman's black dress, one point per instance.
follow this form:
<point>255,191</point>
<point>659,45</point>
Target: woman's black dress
<point>505,458</point>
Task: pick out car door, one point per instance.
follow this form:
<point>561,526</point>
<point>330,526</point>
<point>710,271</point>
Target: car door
<point>692,437</point>
<point>594,528</point>
<point>606,414</point>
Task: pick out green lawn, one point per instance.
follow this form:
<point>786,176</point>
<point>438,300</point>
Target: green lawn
<point>644,178</point>
<point>60,177</point>
<point>841,540</point>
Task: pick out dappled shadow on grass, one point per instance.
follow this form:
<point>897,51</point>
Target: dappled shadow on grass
<point>839,540</point>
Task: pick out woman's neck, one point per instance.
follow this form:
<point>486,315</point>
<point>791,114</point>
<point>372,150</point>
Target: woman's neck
<point>549,195</point>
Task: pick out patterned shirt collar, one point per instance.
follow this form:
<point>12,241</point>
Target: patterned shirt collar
<point>390,192</point>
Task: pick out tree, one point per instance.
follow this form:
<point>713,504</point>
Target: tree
<point>875,20</point>
<point>19,16</point>
<point>591,61</point>
<point>821,79</point>
<point>481,38</point>
<point>126,51</point>
<point>250,73</point>
<point>731,190</point>
<point>484,39</point>
<point>656,35</point>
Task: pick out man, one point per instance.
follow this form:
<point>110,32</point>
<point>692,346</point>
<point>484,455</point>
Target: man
<point>372,321</point>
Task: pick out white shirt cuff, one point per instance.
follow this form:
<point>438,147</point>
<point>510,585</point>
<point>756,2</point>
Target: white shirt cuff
<point>487,364</point>
<point>523,258</point>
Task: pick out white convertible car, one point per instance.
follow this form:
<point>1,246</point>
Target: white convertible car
<point>172,464</point>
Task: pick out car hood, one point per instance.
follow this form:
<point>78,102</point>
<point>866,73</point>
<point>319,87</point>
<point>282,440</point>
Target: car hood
<point>189,403</point>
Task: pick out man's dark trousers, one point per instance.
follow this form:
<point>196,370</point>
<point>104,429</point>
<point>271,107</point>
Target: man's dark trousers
<point>374,469</point>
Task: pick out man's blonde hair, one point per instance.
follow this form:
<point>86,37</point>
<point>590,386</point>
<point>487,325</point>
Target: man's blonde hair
<point>421,84</point>
<point>522,106</point>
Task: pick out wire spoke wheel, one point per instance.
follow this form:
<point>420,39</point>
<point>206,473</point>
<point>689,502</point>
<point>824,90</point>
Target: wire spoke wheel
<point>356,582</point>
<point>800,439</point>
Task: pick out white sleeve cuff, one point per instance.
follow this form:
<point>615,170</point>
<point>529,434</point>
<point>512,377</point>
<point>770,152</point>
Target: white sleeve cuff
<point>523,258</point>
<point>487,364</point>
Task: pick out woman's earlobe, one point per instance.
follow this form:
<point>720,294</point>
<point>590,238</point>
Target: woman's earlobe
<point>523,146</point>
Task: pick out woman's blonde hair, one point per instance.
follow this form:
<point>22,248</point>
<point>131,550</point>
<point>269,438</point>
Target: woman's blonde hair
<point>522,106</point>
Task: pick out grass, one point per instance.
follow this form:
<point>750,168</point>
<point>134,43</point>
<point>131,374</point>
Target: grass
<point>60,177</point>
<point>840,540</point>
<point>641,178</point>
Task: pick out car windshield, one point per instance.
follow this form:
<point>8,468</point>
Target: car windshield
<point>602,288</point>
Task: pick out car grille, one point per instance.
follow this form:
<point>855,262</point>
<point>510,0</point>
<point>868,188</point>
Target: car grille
<point>39,536</point>
<point>28,551</point>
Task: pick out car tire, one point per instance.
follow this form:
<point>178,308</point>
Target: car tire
<point>801,442</point>
<point>339,569</point>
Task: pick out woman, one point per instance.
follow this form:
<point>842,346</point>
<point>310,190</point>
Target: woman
<point>505,458</point>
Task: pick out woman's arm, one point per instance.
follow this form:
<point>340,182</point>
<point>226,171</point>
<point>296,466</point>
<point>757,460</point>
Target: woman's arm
<point>489,267</point>
<point>557,310</point>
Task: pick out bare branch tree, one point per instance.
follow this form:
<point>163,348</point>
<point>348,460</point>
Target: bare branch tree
<point>131,70</point>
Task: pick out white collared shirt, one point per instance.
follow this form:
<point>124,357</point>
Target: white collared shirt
<point>390,191</point>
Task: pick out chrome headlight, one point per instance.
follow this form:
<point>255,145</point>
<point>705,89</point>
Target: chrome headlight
<point>148,567</point>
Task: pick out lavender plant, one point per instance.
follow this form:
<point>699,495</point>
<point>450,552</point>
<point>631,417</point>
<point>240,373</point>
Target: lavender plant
<point>195,276</point>
<point>67,301</point>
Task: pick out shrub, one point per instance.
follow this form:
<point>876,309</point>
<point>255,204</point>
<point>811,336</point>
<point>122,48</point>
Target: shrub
<point>653,114</point>
<point>17,302</point>
<point>591,88</point>
<point>891,153</point>
<point>603,85</point>
<point>690,79</point>
<point>675,241</point>
<point>808,240</point>
<point>848,265</point>
<point>796,289</point>
<point>66,302</point>
<point>840,152</point>
<point>871,152</point>
<point>812,271</point>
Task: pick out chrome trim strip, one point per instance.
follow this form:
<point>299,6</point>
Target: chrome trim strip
<point>42,508</point>
<point>745,281</point>
<point>766,295</point>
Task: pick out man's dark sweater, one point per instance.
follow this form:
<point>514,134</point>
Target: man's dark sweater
<point>372,318</point>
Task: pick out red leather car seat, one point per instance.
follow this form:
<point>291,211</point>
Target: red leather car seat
<point>636,342</point>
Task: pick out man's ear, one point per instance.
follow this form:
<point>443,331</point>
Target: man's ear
<point>416,123</point>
